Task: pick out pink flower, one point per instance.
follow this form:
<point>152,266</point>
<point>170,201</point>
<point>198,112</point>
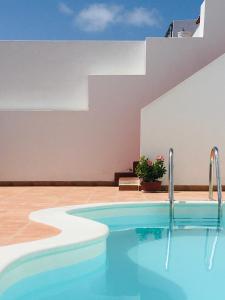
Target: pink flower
<point>150,163</point>
<point>160,157</point>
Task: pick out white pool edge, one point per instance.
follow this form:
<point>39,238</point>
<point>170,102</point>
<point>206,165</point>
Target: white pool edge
<point>86,230</point>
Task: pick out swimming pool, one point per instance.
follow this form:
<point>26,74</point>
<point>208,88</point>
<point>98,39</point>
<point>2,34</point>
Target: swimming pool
<point>146,256</point>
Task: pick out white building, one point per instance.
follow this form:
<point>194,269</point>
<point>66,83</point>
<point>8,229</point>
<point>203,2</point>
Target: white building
<point>71,111</point>
<point>182,28</point>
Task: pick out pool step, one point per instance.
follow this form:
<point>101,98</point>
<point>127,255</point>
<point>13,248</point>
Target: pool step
<point>129,184</point>
<point>200,222</point>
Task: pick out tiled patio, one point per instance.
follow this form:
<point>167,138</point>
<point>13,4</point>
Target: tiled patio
<point>16,203</point>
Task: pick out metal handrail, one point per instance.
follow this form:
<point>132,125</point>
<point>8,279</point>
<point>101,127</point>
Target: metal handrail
<point>215,161</point>
<point>171,183</point>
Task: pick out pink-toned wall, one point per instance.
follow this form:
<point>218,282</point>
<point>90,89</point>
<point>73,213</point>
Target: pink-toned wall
<point>94,143</point>
<point>85,145</point>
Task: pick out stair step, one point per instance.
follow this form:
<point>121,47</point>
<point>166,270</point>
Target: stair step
<point>129,184</point>
<point>127,173</point>
<point>119,175</point>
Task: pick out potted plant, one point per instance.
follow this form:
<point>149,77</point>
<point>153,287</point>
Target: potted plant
<point>150,172</point>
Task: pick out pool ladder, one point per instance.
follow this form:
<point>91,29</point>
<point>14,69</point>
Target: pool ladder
<point>214,162</point>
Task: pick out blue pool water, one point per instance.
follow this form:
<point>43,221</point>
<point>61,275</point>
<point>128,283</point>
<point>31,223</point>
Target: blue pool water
<point>142,263</point>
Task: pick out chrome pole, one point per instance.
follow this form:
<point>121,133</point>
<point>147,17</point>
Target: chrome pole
<point>171,183</point>
<point>215,162</point>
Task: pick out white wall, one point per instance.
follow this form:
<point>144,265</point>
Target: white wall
<point>106,82</point>
<point>200,30</point>
<point>170,61</point>
<point>189,118</point>
<point>83,138</point>
<point>54,75</point>
<point>80,146</point>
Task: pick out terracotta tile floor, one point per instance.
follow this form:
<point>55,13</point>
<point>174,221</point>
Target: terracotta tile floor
<point>16,203</point>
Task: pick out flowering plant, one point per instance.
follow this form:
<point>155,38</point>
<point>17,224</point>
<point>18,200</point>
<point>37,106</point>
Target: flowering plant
<point>150,171</point>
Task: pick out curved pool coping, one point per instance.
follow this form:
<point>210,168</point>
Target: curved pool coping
<point>87,231</point>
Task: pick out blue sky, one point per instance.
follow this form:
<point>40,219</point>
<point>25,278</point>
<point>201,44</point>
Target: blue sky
<point>91,19</point>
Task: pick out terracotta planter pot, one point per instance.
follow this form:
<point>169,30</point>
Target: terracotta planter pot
<point>151,186</point>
